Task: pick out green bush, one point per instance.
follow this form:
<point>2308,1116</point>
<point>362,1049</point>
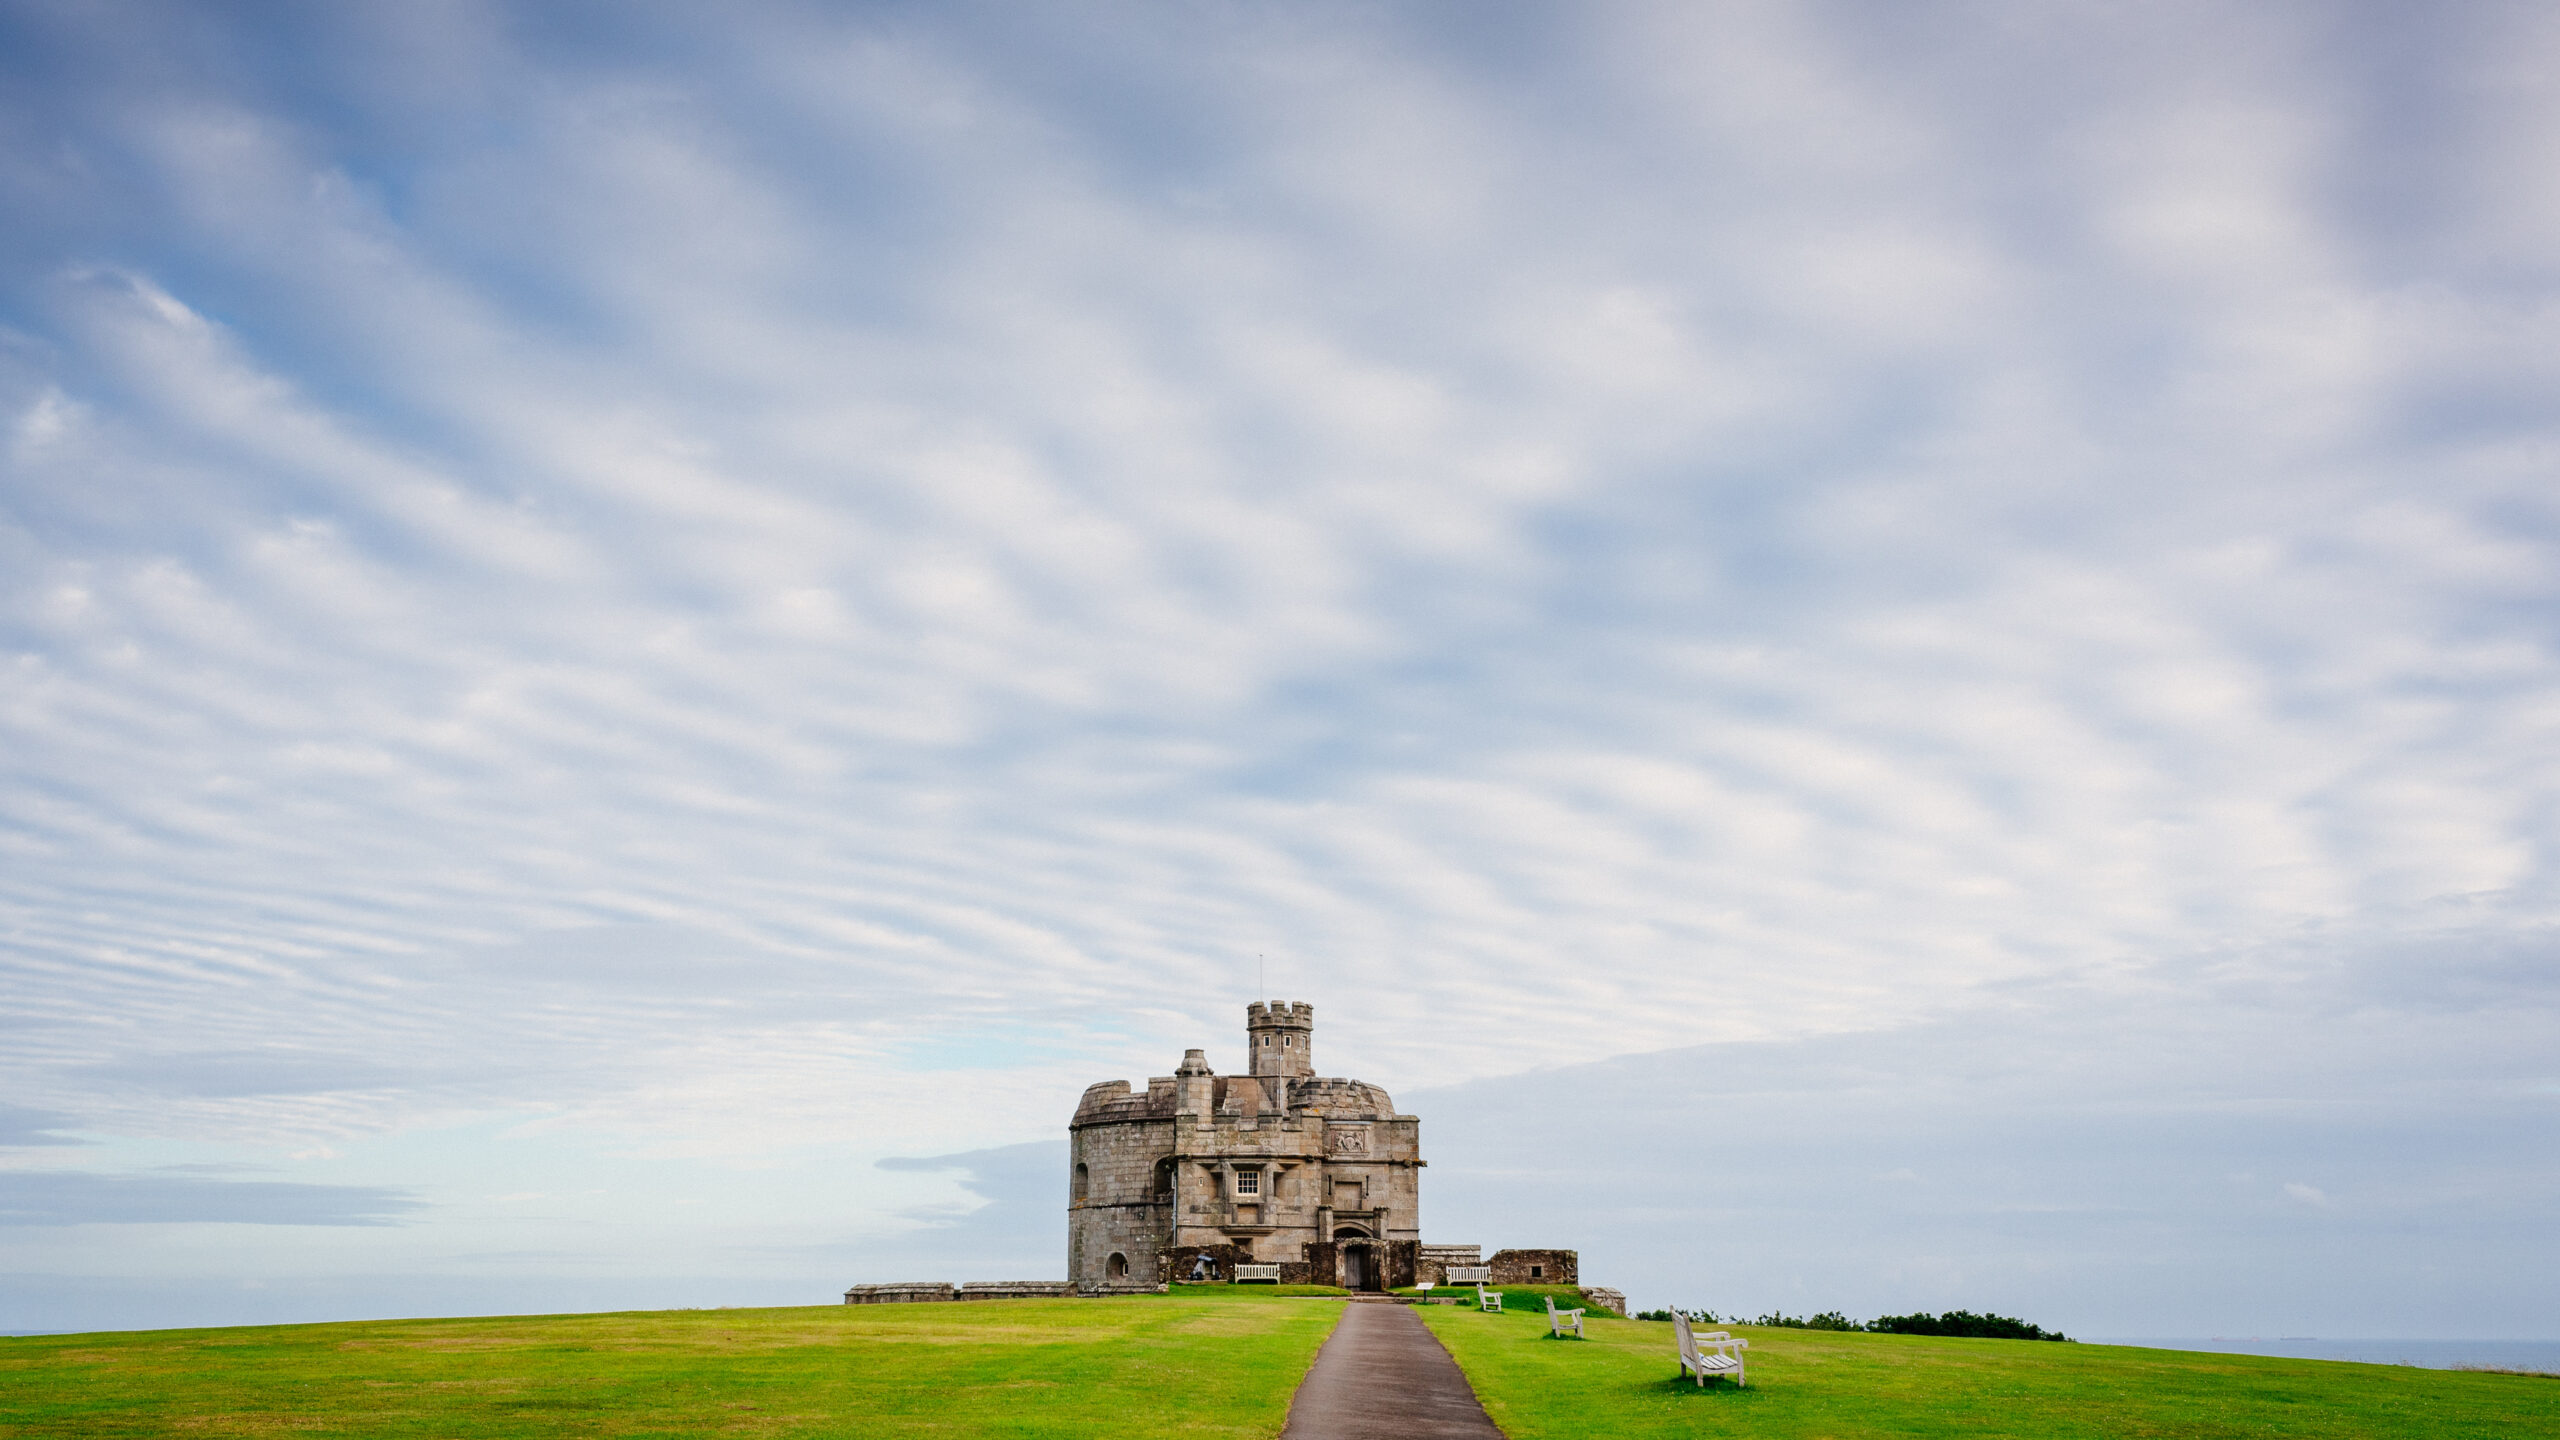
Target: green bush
<point>1963,1323</point>
<point>1827,1320</point>
<point>1958,1323</point>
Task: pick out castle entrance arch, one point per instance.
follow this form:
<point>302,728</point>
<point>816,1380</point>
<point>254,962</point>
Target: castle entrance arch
<point>1361,1267</point>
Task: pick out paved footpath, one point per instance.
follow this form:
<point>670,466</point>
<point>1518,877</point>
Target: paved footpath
<point>1382,1375</point>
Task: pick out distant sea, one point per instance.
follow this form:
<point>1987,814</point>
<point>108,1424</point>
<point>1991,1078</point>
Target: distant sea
<point>2425,1354</point>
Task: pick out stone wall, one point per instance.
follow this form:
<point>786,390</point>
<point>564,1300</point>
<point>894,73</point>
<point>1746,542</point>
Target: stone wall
<point>1115,1205</point>
<point>1223,1260</point>
<point>1602,1298</point>
<point>905,1294</point>
<point>1535,1267</point>
<point>1015,1289</point>
<point>1403,1263</point>
<point>925,1292</point>
<point>1432,1262</point>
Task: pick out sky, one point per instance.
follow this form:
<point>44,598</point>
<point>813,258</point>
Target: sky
<point>1882,656</point>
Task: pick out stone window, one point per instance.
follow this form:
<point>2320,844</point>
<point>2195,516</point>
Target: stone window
<point>1537,1272</point>
<point>1117,1266</point>
<point>1081,1179</point>
<point>1248,1182</point>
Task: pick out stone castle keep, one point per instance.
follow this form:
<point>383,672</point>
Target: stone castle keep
<point>1314,1177</point>
<point>1280,1165</point>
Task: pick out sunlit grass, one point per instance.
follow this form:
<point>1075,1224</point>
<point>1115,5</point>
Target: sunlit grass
<point>1208,1361</point>
<point>1153,1366</point>
<point>1624,1381</point>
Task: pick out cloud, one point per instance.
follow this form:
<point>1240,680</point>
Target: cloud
<point>730,590</point>
<point>1018,1218</point>
<point>2108,1167</point>
<point>20,1126</point>
<point>76,1197</point>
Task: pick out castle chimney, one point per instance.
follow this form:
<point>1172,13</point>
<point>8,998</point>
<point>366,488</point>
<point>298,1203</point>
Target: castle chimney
<point>1279,1038</point>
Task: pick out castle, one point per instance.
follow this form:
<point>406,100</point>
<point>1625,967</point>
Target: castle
<point>1280,1165</point>
<point>1311,1180</point>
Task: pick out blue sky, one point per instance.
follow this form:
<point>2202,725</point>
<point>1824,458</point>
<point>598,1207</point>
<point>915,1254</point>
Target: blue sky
<point>613,615</point>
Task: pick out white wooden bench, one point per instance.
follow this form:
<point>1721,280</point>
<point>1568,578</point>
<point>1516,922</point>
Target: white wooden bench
<point>1470,1274</point>
<point>1270,1273</point>
<point>1489,1301</point>
<point>1696,1359</point>
<point>1559,1321</point>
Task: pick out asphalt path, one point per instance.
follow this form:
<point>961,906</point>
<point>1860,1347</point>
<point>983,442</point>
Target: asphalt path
<point>1382,1375</point>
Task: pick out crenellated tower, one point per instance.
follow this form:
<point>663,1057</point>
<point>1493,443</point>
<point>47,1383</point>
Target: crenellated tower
<point>1276,1166</point>
<point>1279,1037</point>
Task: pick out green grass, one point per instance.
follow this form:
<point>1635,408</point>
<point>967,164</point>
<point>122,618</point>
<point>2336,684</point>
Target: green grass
<point>1222,1289</point>
<point>1149,1366</point>
<point>1516,1299</point>
<point>1811,1385</point>
<point>1206,1361</point>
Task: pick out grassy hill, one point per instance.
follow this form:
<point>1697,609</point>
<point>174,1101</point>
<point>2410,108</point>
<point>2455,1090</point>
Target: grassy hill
<point>1204,1362</point>
<point>1809,1384</point>
<point>1150,1367</point>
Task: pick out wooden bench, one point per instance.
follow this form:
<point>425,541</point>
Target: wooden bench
<point>1489,1301</point>
<point>1695,1356</point>
<point>1559,1321</point>
<point>1470,1274</point>
<point>1267,1273</point>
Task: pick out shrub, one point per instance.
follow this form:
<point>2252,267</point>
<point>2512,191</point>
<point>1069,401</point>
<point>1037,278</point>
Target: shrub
<point>1964,1323</point>
<point>1696,1317</point>
<point>1827,1320</point>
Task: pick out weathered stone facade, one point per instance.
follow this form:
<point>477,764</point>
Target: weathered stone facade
<point>1536,1267</point>
<point>1202,1172</point>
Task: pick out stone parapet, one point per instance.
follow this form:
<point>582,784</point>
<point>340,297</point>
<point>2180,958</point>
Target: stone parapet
<point>1600,1297</point>
<point>903,1294</point>
<point>1015,1289</point>
<point>1432,1262</point>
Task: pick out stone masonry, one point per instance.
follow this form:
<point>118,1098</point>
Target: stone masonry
<point>1536,1267</point>
<point>1202,1172</point>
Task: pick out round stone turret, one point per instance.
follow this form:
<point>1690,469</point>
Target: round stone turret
<point>1280,1038</point>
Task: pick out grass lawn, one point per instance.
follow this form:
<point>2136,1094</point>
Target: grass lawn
<point>1204,1361</point>
<point>1148,1366</point>
<point>1810,1383</point>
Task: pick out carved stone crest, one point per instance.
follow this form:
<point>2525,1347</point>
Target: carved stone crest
<point>1347,1142</point>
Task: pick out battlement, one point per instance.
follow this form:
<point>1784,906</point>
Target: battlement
<point>1269,1164</point>
<point>1280,1038</point>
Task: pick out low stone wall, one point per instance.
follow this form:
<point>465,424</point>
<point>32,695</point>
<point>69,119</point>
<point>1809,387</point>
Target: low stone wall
<point>1600,1297</point>
<point>1223,1259</point>
<point>1536,1267</point>
<point>906,1294</point>
<point>924,1292</point>
<point>1432,1263</point>
<point>1118,1287</point>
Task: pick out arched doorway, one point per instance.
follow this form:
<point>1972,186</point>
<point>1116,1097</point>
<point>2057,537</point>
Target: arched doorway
<point>1361,1269</point>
